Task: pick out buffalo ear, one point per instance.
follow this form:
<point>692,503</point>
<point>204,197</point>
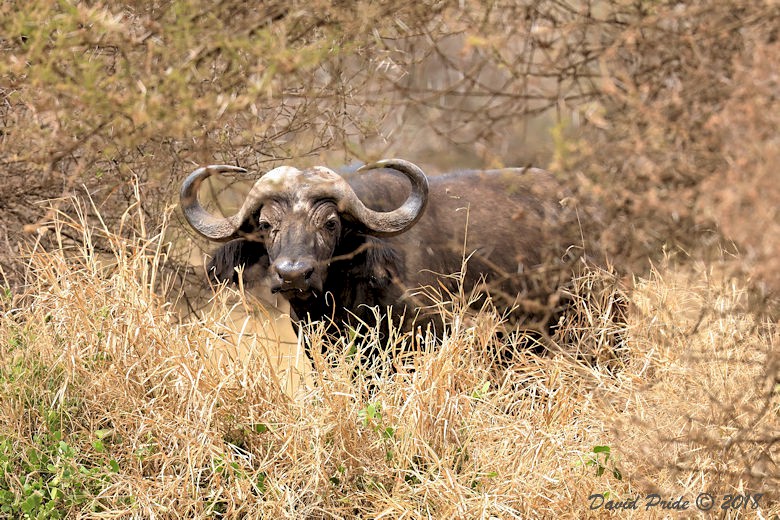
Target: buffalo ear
<point>382,264</point>
<point>235,254</point>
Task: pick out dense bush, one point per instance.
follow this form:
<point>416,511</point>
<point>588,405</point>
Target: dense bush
<point>660,105</point>
<point>681,136</point>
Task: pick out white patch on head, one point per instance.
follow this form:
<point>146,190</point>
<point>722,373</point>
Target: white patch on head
<point>282,174</point>
<point>324,173</point>
<point>300,205</point>
<point>285,178</point>
<point>298,183</point>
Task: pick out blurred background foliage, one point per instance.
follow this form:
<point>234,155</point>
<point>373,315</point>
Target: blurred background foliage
<point>662,115</point>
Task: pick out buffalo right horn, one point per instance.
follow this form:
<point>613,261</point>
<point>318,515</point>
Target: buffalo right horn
<point>220,229</point>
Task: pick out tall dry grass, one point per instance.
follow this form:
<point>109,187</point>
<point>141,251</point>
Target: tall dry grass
<point>111,408</point>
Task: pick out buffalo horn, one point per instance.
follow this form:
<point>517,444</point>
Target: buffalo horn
<point>219,229</point>
<point>401,219</point>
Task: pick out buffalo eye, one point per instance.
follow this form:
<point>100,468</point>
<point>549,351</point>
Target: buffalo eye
<point>330,225</point>
<point>264,226</point>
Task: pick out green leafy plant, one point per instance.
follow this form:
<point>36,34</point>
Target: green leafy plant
<point>57,477</point>
<point>601,459</point>
<point>371,417</point>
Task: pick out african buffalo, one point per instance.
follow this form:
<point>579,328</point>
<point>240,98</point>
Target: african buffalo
<point>339,247</point>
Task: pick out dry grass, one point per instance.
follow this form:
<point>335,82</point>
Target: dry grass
<point>109,408</point>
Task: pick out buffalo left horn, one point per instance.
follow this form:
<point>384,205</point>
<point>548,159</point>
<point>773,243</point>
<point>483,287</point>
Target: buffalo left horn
<point>404,217</point>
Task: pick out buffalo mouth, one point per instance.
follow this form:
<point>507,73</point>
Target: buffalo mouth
<point>293,293</point>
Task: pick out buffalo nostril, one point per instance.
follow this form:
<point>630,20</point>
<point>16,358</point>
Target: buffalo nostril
<point>294,273</point>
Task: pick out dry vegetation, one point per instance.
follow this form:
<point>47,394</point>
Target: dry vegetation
<point>112,409</point>
<point>662,115</point>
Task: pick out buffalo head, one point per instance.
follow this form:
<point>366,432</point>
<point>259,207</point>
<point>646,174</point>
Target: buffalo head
<point>298,216</point>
